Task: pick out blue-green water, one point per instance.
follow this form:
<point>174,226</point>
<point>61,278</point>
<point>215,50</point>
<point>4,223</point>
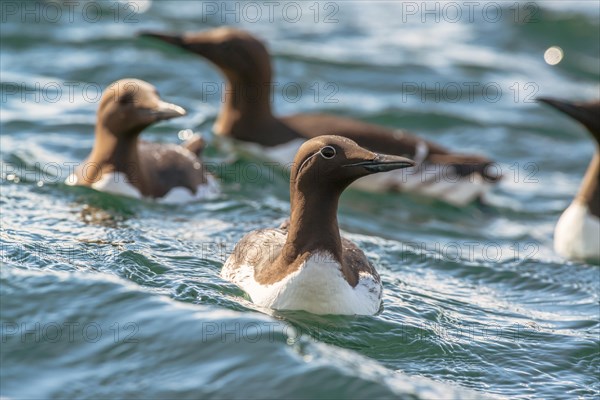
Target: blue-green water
<point>106,297</point>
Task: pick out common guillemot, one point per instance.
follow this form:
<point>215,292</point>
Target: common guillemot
<point>306,264</point>
<point>577,232</point>
<point>119,163</point>
<point>244,60</point>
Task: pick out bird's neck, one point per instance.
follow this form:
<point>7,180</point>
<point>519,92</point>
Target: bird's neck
<point>246,109</point>
<point>313,225</point>
<point>589,192</point>
<point>116,154</point>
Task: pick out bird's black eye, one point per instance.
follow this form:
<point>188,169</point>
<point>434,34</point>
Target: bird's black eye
<point>328,152</point>
<point>126,98</point>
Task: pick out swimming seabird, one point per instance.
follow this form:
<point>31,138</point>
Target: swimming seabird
<point>246,116</point>
<point>306,264</point>
<point>577,233</point>
<point>120,163</point>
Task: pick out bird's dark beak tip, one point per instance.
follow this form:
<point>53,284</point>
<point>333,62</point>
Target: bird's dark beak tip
<point>384,163</point>
<point>147,34</point>
<point>168,38</point>
<point>564,106</point>
<point>167,111</point>
<point>546,100</point>
<point>556,103</point>
<point>388,166</point>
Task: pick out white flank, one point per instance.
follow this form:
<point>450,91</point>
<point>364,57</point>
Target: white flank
<point>437,181</point>
<point>577,233</point>
<point>179,195</point>
<point>117,183</point>
<point>282,154</point>
<point>442,185</point>
<point>318,286</point>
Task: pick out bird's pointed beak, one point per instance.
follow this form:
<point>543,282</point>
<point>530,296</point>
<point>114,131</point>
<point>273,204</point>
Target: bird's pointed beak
<point>583,113</point>
<point>200,44</point>
<point>176,40</point>
<point>567,107</point>
<point>383,163</point>
<point>166,110</point>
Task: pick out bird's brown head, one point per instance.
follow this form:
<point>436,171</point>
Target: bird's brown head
<point>128,106</point>
<point>333,162</point>
<point>239,55</point>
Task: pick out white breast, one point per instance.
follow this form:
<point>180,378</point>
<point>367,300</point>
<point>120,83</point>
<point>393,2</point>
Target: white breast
<point>577,233</point>
<point>318,286</point>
